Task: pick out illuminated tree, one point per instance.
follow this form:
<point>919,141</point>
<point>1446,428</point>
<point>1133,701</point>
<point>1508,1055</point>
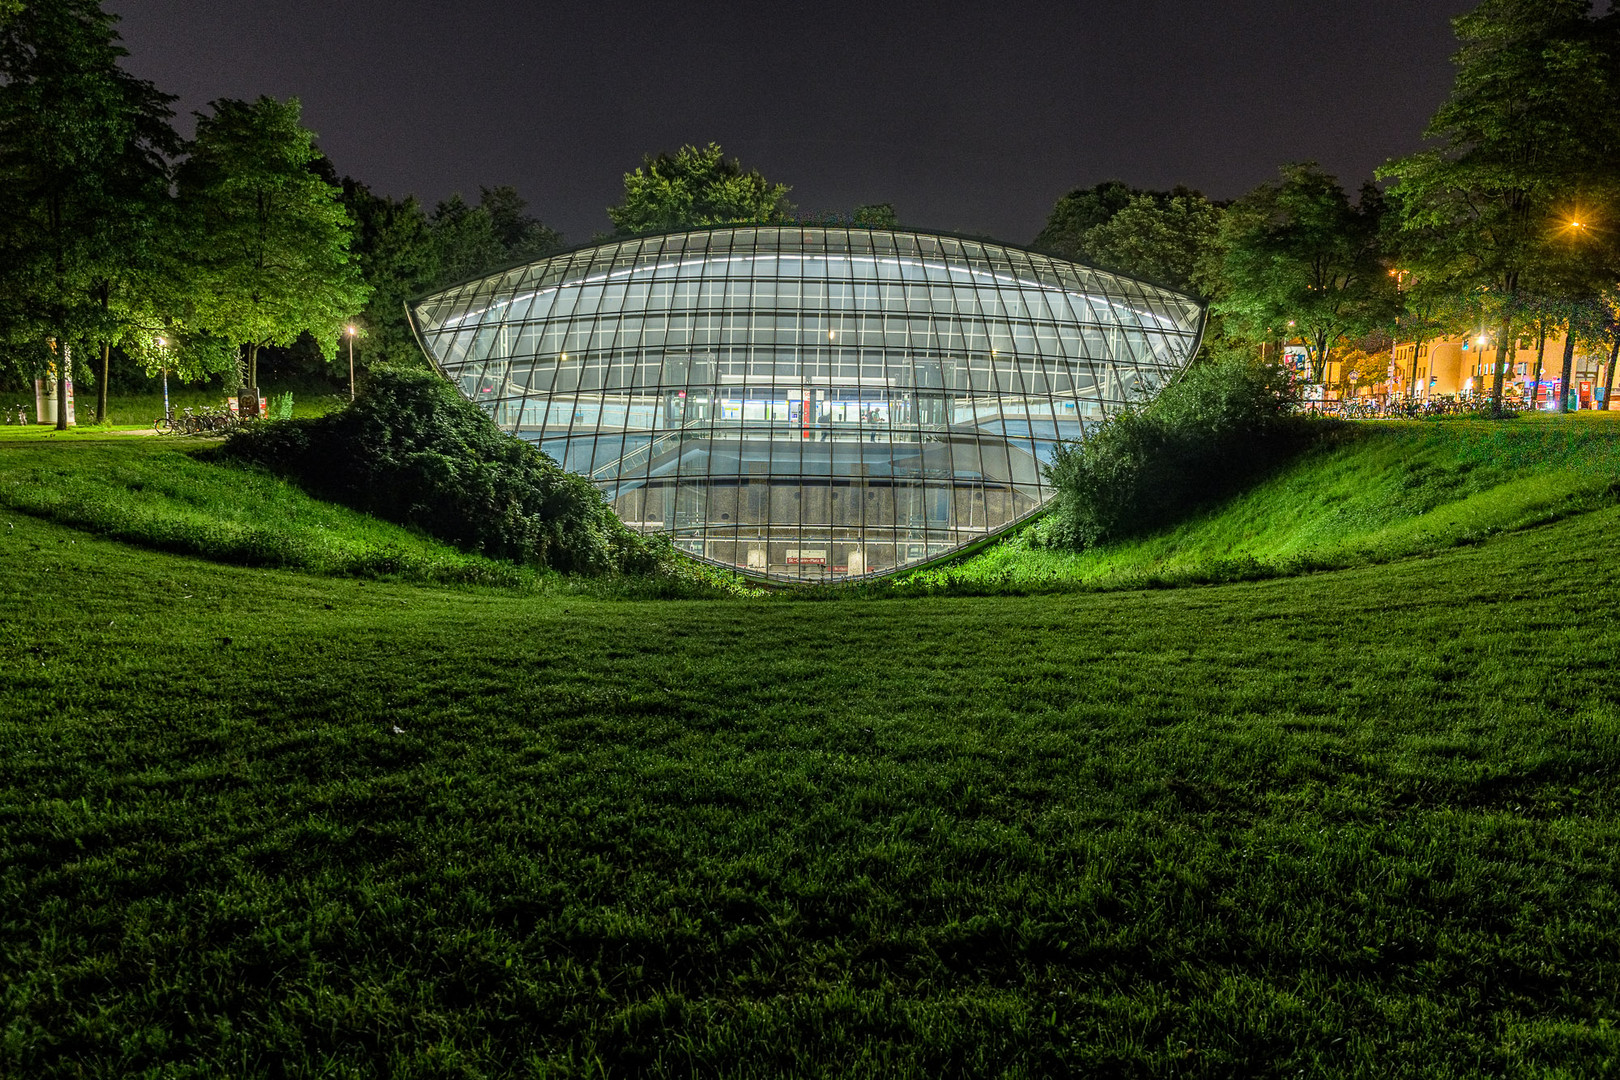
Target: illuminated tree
<point>1300,254</point>
<point>82,164</point>
<point>694,187</point>
<point>1528,133</point>
<point>270,236</point>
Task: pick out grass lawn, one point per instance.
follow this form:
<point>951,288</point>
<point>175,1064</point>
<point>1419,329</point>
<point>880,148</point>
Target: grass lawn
<point>1370,492</point>
<point>260,823</point>
<point>136,410</point>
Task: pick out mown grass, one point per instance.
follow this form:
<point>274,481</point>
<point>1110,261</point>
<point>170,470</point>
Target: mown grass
<point>1361,823</point>
<point>158,494</point>
<point>1370,492</point>
<point>135,410</point>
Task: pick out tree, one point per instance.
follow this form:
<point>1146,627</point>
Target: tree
<point>82,147</point>
<point>875,216</point>
<point>269,235</point>
<point>464,238</point>
<point>476,240</point>
<point>1428,302</point>
<point>522,236</point>
<point>694,187</point>
<point>1173,240</point>
<point>404,252</point>
<point>1299,254</point>
<point>399,260</point>
<point>1530,126</point>
<point>1081,210</point>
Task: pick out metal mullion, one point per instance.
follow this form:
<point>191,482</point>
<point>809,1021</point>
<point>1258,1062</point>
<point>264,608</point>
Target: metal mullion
<point>655,249</point>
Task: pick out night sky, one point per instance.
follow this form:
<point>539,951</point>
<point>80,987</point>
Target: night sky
<point>968,117</point>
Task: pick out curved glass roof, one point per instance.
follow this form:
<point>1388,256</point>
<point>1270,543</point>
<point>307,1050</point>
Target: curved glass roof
<point>804,403</point>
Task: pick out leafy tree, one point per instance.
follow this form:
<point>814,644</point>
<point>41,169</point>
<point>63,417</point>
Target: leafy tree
<point>876,216</point>
<point>694,187</point>
<point>1082,210</point>
<point>82,147</point>
<point>1530,125</point>
<point>1299,253</point>
<point>403,252</point>
<point>474,240</point>
<point>1428,301</point>
<point>398,256</point>
<point>270,236</point>
<point>464,238</point>
<point>1171,240</point>
<point>1611,304</point>
<point>522,236</point>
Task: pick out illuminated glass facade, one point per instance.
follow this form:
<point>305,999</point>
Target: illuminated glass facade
<point>808,403</point>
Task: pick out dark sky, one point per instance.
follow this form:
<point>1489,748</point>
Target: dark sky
<point>968,117</point>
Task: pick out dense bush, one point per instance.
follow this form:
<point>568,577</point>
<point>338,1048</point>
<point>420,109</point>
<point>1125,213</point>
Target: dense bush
<point>413,451</point>
<point>1214,430</point>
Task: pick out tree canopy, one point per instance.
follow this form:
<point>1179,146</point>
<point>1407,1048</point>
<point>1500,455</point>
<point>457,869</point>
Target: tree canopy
<point>694,187</point>
<point>82,161</point>
<point>270,235</point>
<point>403,252</point>
<point>1301,258</point>
<point>1525,143</point>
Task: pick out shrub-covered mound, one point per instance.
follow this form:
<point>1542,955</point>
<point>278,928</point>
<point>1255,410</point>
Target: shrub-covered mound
<point>413,451</point>
<point>1215,430</point>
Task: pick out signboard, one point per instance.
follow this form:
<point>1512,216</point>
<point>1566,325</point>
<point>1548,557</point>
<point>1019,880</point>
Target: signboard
<point>45,401</point>
<point>807,556</point>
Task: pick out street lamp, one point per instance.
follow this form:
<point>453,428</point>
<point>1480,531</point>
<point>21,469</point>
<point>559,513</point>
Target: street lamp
<point>350,331</point>
<point>163,363</point>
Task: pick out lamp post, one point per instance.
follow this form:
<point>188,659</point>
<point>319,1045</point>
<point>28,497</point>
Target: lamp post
<point>351,362</point>
<point>163,352</point>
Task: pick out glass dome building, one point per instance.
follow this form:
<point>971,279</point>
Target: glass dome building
<point>807,403</point>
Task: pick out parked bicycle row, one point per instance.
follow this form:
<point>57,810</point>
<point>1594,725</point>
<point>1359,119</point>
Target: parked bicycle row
<point>209,420</point>
<point>1372,409</point>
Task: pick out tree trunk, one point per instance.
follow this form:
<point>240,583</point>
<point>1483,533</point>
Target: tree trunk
<point>64,357</point>
<point>1411,380</point>
<point>101,387</point>
<point>1541,352</point>
<point>253,369</point>
<point>1569,369</point>
<point>1608,374</point>
<point>1503,351</point>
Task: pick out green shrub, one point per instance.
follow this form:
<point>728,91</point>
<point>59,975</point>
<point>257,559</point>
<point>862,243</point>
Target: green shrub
<point>1216,429</point>
<point>413,451</point>
<point>281,406</point>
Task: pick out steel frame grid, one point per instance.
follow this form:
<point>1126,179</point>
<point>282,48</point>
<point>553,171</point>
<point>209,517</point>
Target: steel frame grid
<point>929,312</point>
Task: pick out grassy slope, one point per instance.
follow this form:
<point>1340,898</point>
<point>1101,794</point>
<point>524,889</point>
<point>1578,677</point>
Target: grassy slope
<point>153,492</point>
<point>1349,824</point>
<point>156,493</point>
<point>1372,493</point>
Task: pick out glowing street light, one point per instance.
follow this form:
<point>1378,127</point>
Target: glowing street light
<point>350,331</point>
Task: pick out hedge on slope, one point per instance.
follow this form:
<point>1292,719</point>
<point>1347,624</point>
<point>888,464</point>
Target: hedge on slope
<point>1220,426</point>
<point>413,451</point>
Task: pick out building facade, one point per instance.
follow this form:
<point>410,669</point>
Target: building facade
<point>1465,367</point>
<point>806,403</point>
